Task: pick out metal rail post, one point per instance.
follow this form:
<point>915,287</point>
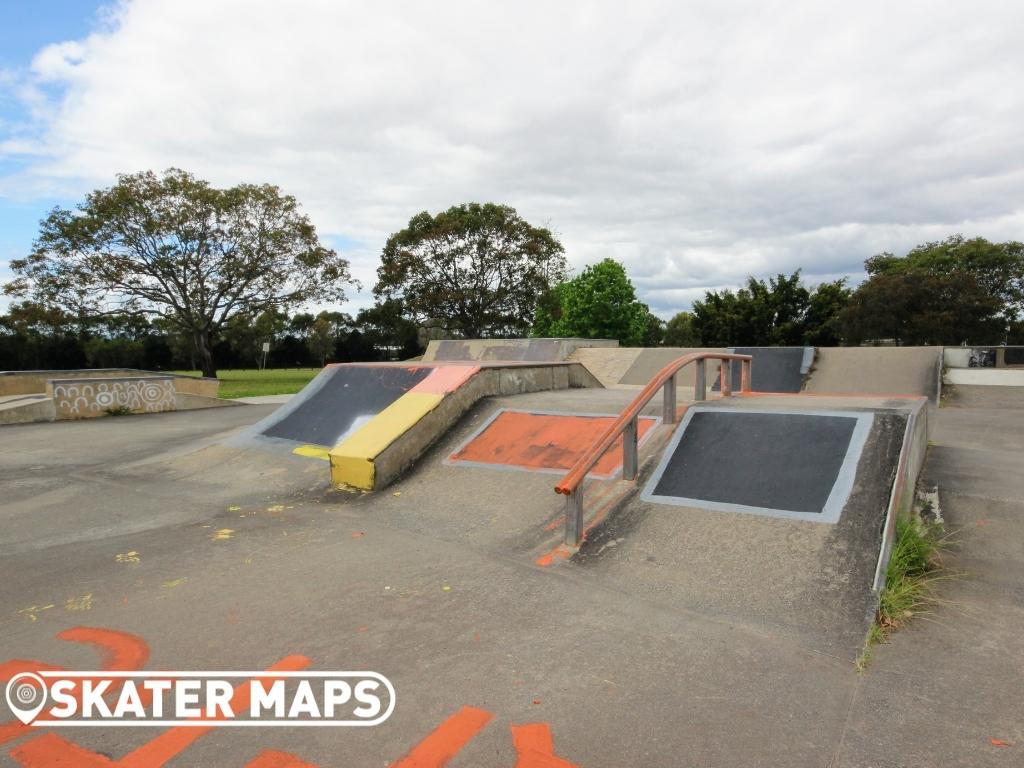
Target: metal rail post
<point>574,517</point>
<point>668,403</point>
<point>700,384</point>
<point>630,458</point>
<point>725,375</point>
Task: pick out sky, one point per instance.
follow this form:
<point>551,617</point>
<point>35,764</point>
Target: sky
<point>696,142</point>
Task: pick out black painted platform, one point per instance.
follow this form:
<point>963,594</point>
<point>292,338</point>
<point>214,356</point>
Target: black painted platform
<point>343,396</point>
<point>781,463</point>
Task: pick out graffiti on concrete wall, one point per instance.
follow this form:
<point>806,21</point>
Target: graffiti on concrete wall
<point>82,398</point>
<point>982,357</point>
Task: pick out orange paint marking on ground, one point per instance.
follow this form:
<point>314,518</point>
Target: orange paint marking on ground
<point>558,522</point>
<point>271,758</point>
<point>119,652</point>
<point>546,441</point>
<point>50,751</point>
<point>535,748</point>
<point>447,740</point>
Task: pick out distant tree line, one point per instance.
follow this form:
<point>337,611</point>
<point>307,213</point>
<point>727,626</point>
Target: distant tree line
<point>168,272</point>
<point>32,337</point>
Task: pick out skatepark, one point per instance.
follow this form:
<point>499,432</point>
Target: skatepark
<point>561,552</point>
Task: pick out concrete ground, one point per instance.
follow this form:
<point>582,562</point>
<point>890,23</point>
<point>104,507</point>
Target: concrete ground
<point>651,652</point>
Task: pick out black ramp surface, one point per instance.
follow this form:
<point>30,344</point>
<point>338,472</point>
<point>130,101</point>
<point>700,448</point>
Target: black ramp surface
<point>344,397</point>
<point>781,461</point>
<point>774,369</point>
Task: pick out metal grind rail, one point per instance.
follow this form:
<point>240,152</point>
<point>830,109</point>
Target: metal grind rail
<point>626,425</point>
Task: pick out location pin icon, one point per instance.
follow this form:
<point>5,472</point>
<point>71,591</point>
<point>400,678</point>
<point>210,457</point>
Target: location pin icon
<point>26,696</point>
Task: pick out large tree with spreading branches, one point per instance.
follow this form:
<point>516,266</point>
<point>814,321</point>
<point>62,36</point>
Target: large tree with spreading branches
<point>174,247</point>
<point>473,270</point>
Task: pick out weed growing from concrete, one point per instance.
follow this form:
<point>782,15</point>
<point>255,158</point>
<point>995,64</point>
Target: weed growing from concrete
<point>914,567</point>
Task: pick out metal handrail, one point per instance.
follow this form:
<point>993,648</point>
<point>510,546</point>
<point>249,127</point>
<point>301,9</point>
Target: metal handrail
<point>626,424</point>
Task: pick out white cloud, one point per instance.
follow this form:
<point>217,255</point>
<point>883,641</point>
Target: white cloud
<point>697,142</point>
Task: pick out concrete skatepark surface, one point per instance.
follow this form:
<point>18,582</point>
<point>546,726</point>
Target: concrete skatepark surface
<point>676,637</point>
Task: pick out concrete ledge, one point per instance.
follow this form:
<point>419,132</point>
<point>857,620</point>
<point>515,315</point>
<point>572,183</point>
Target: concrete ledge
<point>391,442</point>
<point>26,409</point>
<point>502,350</point>
<point>986,377</point>
<point>904,487</point>
<point>30,382</point>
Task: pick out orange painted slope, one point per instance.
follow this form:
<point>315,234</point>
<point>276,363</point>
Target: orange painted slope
<point>545,441</point>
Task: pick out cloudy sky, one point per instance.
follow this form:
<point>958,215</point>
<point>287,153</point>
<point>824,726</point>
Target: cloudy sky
<point>696,142</point>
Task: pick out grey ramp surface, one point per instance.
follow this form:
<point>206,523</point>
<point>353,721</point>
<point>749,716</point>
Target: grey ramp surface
<point>650,362</point>
<point>876,370</point>
<point>766,462</point>
<point>339,400</point>
<point>773,369</point>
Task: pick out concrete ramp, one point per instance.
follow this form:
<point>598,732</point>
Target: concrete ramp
<point>372,421</point>
<point>774,369</point>
<point>877,371</point>
<point>339,400</point>
<point>650,362</point>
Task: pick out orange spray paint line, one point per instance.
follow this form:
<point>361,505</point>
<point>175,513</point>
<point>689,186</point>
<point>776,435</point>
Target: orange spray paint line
<point>447,740</point>
<point>535,748</point>
<point>119,652</point>
<point>271,758</point>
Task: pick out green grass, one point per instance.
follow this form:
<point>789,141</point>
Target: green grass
<point>910,578</point>
<point>253,383</point>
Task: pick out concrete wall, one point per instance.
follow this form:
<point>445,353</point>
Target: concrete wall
<point>904,489</point>
<point>32,382</point>
<point>528,350</point>
<point>983,357</point>
<point>84,398</point>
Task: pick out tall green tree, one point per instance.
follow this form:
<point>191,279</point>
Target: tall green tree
<point>822,323</point>
<point>771,313</point>
<point>175,248</point>
<point>918,307</point>
<point>474,270</point>
<point>599,303</point>
<point>680,331</point>
<point>996,268</point>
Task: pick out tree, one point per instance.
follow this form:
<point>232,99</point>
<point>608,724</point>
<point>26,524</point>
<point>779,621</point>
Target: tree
<point>386,327</point>
<point>599,303</point>
<point>474,269</point>
<point>918,307</point>
<point>247,334</point>
<point>822,324</point>
<point>175,248</point>
<point>758,314</point>
<point>996,268</point>
<point>679,331</point>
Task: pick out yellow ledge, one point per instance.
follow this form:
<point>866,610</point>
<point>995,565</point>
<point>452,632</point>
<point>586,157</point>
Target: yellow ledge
<point>352,459</point>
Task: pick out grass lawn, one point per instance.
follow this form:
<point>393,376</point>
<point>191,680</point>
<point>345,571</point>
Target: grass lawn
<point>252,382</point>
